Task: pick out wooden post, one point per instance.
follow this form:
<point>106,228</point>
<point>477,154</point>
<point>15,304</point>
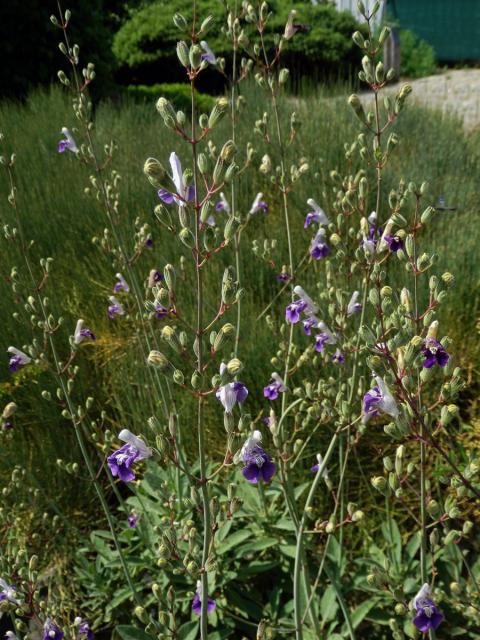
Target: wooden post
<point>391,52</point>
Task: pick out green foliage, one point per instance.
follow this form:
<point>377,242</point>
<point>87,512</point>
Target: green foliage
<point>417,57</point>
<point>28,43</point>
<point>145,45</point>
<point>178,94</point>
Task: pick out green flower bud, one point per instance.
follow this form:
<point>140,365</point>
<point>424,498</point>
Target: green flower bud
<point>400,609</point>
<point>141,614</point>
<point>195,56</point>
<point>384,33</point>
<point>356,104</point>
<point>357,516</point>
<point>386,292</point>
<point>217,113</point>
<point>358,39</point>
<point>178,377</point>
<point>455,588</point>
<point>196,380</point>
<point>228,151</point>
<point>234,366</point>
<point>427,214</point>
<point>167,112</point>
<point>187,238</point>
<point>433,508</point>
<point>158,360</point>
<point>207,24</point>
<point>283,76</point>
<point>182,53</point>
<point>169,276</point>
<point>379,483</point>
<point>180,22</point>
<point>9,410</point>
<point>226,332</point>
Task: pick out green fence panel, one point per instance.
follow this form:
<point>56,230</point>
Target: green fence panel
<point>452,27</point>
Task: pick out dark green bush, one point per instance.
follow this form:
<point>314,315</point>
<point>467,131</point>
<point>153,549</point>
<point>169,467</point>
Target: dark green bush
<point>417,57</point>
<point>177,93</point>
<point>145,45</point>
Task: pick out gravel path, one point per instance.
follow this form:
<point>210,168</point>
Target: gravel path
<point>457,91</point>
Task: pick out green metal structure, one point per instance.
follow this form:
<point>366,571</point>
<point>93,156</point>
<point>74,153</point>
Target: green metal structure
<point>452,27</point>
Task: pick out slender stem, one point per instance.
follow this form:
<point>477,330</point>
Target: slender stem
<point>299,548</point>
<point>200,332</point>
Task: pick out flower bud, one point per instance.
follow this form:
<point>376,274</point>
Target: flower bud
<point>358,39</point>
<point>433,508</point>
<point>158,360</point>
<point>180,22</point>
<point>228,151</point>
<point>356,104</point>
<point>141,614</point>
<point>234,366</point>
<point>379,483</point>
<point>427,214</point>
<point>227,331</point>
<point>283,76</point>
<point>182,53</point>
<point>9,410</point>
<point>155,172</point>
<point>195,56</point>
<point>169,276</point>
<point>178,377</point>
<point>384,33</point>
<point>217,113</point>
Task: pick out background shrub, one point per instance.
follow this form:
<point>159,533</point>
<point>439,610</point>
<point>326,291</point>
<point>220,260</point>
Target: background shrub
<point>144,46</point>
<point>417,57</point>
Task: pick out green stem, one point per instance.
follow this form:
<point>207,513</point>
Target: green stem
<point>297,571</point>
<point>200,422</point>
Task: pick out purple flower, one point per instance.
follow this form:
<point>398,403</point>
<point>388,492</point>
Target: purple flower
<point>293,311</point>
<point>8,592</point>
<point>149,243</point>
<point>132,520</point>
<point>323,338</point>
<point>51,631</point>
<point>338,357</point>
<point>353,305</point>
<point>318,215</point>
<point>231,393</point>
<point>121,284</point>
<point>197,601</point>
<point>115,308</point>
<point>434,353</point>
<point>160,311</point>
<point>222,205</point>
<point>183,193</point>
<point>319,248</point>
<point>274,387</point>
<point>304,304</point>
<point>394,242</point>
<point>84,630</point>
<point>284,276</point>
<point>379,400</point>
<point>208,56</point>
<point>310,322</point>
<point>68,143</point>
<point>258,204</point>
<point>6,426</point>
<point>428,615</point>
<point>121,461</point>
<point>19,359</point>
<point>258,464</point>
<point>81,333</point>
